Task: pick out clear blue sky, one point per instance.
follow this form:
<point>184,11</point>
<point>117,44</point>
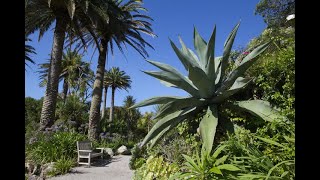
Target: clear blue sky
<point>172,18</point>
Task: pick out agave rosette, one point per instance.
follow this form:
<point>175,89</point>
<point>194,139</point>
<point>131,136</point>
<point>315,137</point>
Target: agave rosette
<point>208,85</point>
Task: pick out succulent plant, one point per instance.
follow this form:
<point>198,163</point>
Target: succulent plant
<point>208,84</point>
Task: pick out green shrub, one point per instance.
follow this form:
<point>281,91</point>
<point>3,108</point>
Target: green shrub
<point>269,152</point>
<point>73,110</point>
<point>172,147</point>
<point>155,168</point>
<point>138,157</point>
<point>114,142</point>
<point>275,73</point>
<point>62,166</point>
<point>206,166</point>
<point>50,147</point>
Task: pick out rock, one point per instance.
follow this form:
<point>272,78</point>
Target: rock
<point>29,167</point>
<point>123,150</point>
<point>109,151</point>
<point>34,177</point>
<point>47,168</point>
<point>32,168</point>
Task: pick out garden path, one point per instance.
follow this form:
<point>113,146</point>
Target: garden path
<point>115,169</point>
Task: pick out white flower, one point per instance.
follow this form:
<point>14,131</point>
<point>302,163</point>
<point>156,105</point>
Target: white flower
<point>292,16</point>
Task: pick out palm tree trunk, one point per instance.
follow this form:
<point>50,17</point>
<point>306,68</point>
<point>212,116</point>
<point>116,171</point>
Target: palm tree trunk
<point>94,116</point>
<point>104,102</point>
<point>65,90</point>
<point>112,104</point>
<point>50,98</point>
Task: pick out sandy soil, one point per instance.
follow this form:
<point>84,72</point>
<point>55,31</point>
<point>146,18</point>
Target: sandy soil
<point>115,169</point>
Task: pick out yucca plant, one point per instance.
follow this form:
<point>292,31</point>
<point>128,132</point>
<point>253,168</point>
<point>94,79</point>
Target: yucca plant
<point>209,85</point>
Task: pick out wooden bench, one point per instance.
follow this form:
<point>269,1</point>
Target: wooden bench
<point>85,151</point>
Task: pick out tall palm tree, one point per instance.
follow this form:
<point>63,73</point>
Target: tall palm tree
<point>123,26</point>
<point>74,73</point>
<point>39,16</point>
<point>27,51</point>
<point>70,17</point>
<point>118,80</point>
<point>106,85</point>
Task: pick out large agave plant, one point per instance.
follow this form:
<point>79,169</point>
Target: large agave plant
<point>208,84</point>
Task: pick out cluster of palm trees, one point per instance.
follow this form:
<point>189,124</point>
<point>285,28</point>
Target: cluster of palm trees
<point>101,23</point>
<point>75,73</point>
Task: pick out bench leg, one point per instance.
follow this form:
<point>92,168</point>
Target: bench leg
<point>89,163</point>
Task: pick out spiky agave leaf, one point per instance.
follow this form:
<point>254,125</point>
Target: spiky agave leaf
<point>165,122</point>
<point>156,100</point>
<point>238,85</point>
<point>260,109</point>
<point>201,81</point>
<point>178,104</point>
<point>168,128</point>
<point>186,56</point>
<point>201,46</point>
<point>208,127</point>
<point>210,67</point>
<point>176,79</point>
<point>226,51</point>
<point>245,64</point>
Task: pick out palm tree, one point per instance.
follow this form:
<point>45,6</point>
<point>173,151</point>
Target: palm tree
<point>106,85</point>
<point>124,25</point>
<point>69,16</point>
<point>75,73</point>
<point>39,16</point>
<point>131,115</point>
<point>28,50</point>
<point>118,80</point>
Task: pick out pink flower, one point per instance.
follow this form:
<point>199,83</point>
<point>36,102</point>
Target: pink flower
<point>246,52</point>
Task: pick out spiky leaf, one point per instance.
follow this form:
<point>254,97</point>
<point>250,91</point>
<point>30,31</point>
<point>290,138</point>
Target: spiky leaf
<point>269,141</point>
<point>211,64</point>
<point>175,79</point>
<point>218,151</point>
<point>164,123</point>
<point>238,85</point>
<point>208,127</point>
<point>228,167</point>
<point>190,162</point>
<point>200,46</point>
<point>217,65</point>
<point>179,104</point>
<point>183,55</point>
<point>226,51</point>
<point>215,170</point>
<point>245,64</point>
<point>190,55</point>
<point>156,100</point>
<point>221,160</point>
<point>168,84</point>
<point>156,139</point>
<point>260,109</point>
<point>201,81</point>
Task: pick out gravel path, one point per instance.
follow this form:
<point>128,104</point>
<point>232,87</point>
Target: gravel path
<point>115,169</point>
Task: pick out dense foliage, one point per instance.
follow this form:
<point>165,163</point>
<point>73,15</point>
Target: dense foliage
<point>215,136</point>
<point>274,12</point>
<point>49,147</point>
<point>256,149</point>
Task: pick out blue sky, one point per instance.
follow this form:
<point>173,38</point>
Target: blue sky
<point>171,19</point>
